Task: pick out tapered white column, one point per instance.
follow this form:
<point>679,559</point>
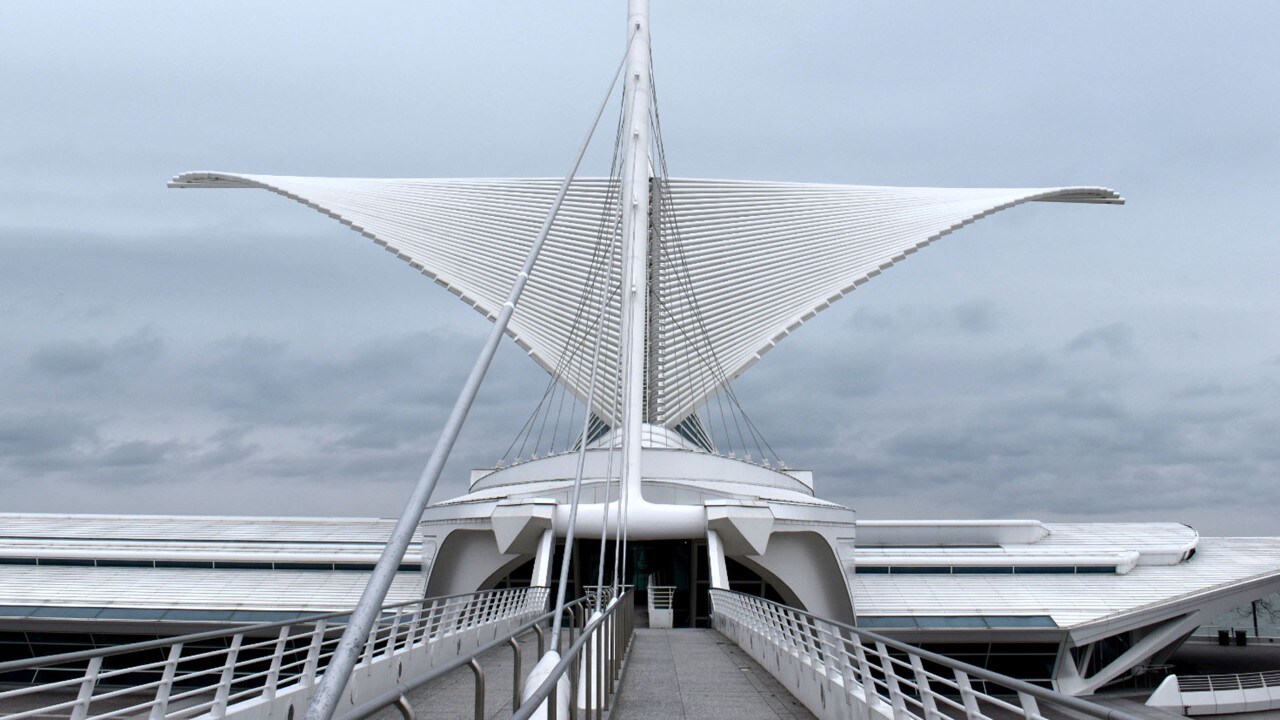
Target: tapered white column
<point>635,234</point>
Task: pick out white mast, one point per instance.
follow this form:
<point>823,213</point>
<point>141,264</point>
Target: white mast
<point>635,241</point>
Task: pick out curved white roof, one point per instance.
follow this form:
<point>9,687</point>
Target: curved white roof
<point>743,264</point>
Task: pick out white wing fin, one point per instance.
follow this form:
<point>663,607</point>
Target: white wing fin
<point>749,264</point>
<point>472,236</point>
<point>764,258</point>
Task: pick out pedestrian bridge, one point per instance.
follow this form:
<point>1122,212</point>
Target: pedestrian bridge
<point>483,655</point>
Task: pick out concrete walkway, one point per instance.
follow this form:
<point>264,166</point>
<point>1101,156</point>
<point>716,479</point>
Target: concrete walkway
<point>698,674</point>
<point>453,696</point>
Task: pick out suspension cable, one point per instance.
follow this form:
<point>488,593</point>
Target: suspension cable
<point>683,278</point>
<point>355,635</point>
<point>574,346</point>
<point>577,478</point>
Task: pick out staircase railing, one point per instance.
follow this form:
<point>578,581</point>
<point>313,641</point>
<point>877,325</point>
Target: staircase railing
<point>257,670</point>
<point>840,671</point>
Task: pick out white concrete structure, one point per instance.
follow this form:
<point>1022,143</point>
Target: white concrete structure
<point>163,574</point>
<point>756,260</point>
<point>1218,694</point>
<point>709,276</point>
<point>704,277</point>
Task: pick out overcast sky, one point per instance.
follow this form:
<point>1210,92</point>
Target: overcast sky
<point>232,352</point>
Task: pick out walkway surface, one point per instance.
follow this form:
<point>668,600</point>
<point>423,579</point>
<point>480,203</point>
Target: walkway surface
<point>453,696</point>
<point>698,674</point>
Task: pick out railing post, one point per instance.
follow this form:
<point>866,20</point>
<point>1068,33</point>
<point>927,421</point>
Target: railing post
<point>515,673</point>
<point>479,674</point>
<point>85,696</point>
<point>575,668</point>
<point>966,695</point>
<point>219,708</point>
<point>602,665</point>
<point>277,659</point>
<point>1030,708</point>
<point>163,690</point>
<point>435,616</point>
<point>830,644</point>
<point>612,638</point>
<point>406,710</point>
<point>814,639</point>
<point>585,664</point>
<point>797,642</point>
<point>891,679</point>
<point>371,642</point>
<point>390,647</point>
<point>922,686</point>
<point>415,626</point>
<point>847,675</point>
<point>312,664</point>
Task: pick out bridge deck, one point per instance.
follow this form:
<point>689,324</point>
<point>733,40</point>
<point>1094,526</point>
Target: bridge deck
<point>698,674</point>
<point>670,674</point>
<point>453,696</point>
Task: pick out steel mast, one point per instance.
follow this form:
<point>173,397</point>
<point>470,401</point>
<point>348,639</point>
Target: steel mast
<point>635,243</point>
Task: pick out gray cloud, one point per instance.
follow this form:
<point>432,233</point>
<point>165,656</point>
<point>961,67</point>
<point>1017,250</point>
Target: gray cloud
<point>1115,339</point>
<point>24,435</point>
<point>231,352</point>
<point>976,316</point>
<point>82,357</point>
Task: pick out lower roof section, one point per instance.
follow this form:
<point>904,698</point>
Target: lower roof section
<point>193,589</point>
<point>1071,599</point>
<point>190,568</point>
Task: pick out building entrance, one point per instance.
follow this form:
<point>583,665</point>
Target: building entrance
<point>682,564</point>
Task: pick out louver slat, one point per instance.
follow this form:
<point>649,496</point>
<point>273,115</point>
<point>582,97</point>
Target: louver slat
<point>756,260</point>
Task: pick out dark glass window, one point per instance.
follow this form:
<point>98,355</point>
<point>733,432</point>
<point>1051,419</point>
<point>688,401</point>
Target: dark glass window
<point>896,621</point>
<point>954,621</point>
<point>16,611</point>
<point>66,612</point>
<point>119,613</point>
<point>208,615</point>
<point>125,563</point>
<point>1027,621</point>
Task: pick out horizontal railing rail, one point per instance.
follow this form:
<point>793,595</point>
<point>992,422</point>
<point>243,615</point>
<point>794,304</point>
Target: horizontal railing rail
<point>1224,694</point>
<point>397,695</point>
<point>1237,681</point>
<point>838,670</point>
<point>592,665</point>
<point>220,673</point>
<point>661,597</point>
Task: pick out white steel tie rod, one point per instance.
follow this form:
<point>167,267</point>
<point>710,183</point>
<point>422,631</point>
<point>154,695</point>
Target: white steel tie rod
<point>334,681</point>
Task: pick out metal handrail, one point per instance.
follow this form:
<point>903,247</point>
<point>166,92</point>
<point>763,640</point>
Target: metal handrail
<point>615,624</point>
<point>257,663</point>
<point>661,597</point>
<point>393,696</point>
<point>846,654</point>
<point>1232,681</point>
<point>76,656</point>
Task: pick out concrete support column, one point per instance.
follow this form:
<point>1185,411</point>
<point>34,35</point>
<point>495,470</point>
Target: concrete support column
<point>542,561</point>
<point>715,558</point>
